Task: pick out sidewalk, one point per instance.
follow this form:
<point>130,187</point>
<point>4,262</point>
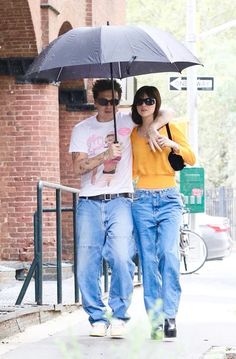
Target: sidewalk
<point>206,326</point>
<point>16,318</point>
<point>69,334</point>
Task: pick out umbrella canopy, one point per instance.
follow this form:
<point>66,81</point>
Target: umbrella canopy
<point>110,51</point>
<point>90,52</point>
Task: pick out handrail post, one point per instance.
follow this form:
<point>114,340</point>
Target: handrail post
<point>40,243</point>
<point>75,248</point>
<point>59,246</point>
<point>36,278</point>
<point>37,264</point>
<point>26,282</point>
<point>32,270</point>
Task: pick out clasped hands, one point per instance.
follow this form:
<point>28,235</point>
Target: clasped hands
<point>157,141</point>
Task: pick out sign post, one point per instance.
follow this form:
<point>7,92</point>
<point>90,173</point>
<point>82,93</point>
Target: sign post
<point>192,187</point>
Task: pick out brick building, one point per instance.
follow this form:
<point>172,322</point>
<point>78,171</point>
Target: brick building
<point>36,119</point>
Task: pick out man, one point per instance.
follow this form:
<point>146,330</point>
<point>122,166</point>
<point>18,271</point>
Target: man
<point>104,218</point>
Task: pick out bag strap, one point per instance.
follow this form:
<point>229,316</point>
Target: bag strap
<point>168,131</point>
<point>169,134</point>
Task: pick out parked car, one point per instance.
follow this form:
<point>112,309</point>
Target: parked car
<point>215,231</point>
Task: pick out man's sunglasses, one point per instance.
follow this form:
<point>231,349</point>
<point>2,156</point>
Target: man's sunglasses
<point>105,102</point>
<point>149,101</point>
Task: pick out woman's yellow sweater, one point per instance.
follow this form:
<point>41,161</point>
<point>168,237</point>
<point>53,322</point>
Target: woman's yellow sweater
<point>152,170</point>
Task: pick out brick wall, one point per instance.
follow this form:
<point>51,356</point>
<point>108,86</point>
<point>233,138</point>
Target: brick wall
<point>29,142</point>
<point>29,121</point>
<point>17,33</point>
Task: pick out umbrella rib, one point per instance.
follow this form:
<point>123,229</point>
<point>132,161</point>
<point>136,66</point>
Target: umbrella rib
<point>119,69</point>
<point>130,64</point>
<point>59,74</point>
<point>173,63</point>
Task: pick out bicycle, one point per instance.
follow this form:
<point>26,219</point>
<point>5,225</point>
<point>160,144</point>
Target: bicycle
<point>193,249</point>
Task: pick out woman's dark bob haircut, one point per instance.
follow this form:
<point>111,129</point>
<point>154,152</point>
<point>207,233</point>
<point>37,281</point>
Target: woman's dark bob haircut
<point>145,91</point>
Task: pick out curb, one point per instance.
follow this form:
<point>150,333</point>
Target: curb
<point>15,319</point>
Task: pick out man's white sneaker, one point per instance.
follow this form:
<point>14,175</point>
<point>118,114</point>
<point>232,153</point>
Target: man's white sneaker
<point>99,329</point>
<point>117,328</point>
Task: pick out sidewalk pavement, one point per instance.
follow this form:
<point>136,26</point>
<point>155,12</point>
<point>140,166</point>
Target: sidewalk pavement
<point>206,326</point>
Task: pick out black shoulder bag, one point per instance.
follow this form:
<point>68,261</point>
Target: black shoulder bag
<point>176,161</point>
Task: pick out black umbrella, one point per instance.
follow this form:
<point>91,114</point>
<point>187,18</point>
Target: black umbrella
<point>110,52</point>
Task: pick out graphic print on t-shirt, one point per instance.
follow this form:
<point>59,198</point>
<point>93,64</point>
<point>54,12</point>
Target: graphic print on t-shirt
<point>109,166</point>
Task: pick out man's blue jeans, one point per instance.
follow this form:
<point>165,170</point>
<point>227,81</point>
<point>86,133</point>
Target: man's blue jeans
<point>157,219</point>
<point>105,229</point>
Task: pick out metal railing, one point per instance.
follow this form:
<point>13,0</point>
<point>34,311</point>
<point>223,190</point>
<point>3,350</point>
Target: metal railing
<point>37,264</point>
<point>221,201</point>
<point>36,267</point>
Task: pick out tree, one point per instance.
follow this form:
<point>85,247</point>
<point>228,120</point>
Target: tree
<point>216,109</point>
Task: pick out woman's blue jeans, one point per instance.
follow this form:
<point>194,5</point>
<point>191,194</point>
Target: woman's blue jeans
<point>157,219</point>
<point>105,230</point>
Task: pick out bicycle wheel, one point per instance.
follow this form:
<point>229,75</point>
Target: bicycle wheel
<point>193,251</point>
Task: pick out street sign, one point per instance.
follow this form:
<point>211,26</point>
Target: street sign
<point>180,83</point>
<point>192,187</point>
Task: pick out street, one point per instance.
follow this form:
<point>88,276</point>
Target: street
<point>206,321</point>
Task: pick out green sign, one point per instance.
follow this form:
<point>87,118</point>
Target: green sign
<point>192,187</point>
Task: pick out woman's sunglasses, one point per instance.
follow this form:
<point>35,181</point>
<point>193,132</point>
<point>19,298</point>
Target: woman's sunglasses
<point>149,101</point>
<point>105,102</point>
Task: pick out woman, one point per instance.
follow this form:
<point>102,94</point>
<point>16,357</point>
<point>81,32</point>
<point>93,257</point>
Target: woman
<point>157,211</point>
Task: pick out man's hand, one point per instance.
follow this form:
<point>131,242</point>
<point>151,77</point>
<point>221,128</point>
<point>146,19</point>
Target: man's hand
<point>114,152</point>
<point>164,116</point>
<point>153,136</point>
<point>164,141</point>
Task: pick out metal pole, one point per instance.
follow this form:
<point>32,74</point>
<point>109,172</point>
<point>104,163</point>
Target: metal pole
<point>192,77</point>
<point>192,87</point>
<point>75,249</point>
<point>59,246</point>
<point>36,278</point>
<point>26,282</point>
<point>40,242</point>
<point>113,97</point>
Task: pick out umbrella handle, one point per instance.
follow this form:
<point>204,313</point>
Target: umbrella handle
<point>118,158</point>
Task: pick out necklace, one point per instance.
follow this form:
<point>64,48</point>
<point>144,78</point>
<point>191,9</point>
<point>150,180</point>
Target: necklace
<point>142,132</point>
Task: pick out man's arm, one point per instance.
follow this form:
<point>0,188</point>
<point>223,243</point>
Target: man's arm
<point>82,164</point>
<point>162,119</point>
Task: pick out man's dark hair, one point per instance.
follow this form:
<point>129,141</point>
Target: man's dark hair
<point>150,91</point>
<point>104,85</point>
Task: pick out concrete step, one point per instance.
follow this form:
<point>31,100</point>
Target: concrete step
<point>7,276</point>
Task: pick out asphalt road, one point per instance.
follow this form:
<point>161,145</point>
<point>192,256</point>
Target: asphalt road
<point>206,326</point>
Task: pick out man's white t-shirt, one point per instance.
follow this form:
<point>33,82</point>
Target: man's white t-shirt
<point>93,137</point>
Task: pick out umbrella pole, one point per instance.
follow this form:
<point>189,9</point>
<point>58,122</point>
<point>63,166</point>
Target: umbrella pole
<point>113,105</point>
